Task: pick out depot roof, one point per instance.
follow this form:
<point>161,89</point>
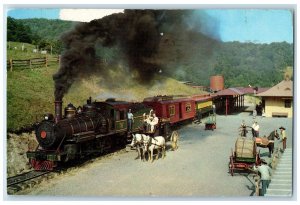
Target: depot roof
<point>282,89</point>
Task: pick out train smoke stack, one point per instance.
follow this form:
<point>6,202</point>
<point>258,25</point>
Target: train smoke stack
<point>58,110</point>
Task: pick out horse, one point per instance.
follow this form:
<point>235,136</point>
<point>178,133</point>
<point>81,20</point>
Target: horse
<point>159,143</point>
<point>267,142</point>
<point>138,142</point>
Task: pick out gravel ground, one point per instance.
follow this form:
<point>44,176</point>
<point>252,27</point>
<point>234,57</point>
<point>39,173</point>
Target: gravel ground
<point>17,146</point>
<point>198,169</point>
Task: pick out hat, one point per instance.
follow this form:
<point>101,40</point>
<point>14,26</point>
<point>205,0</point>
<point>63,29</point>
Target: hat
<point>282,128</point>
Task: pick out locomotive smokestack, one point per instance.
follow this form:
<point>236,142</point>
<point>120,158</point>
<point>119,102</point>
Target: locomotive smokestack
<point>58,110</point>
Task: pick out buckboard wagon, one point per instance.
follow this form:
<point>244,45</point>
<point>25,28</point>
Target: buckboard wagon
<point>245,155</point>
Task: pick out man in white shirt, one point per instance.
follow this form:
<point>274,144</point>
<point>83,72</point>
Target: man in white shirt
<point>255,129</point>
<point>130,120</point>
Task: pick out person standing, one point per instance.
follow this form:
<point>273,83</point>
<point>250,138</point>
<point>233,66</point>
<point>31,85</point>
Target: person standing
<point>265,172</point>
<point>243,129</point>
<point>283,137</point>
<point>130,120</point>
<point>214,108</point>
<point>271,139</point>
<point>153,123</point>
<point>254,113</point>
<point>255,129</point>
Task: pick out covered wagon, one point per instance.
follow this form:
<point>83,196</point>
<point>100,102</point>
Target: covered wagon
<point>245,155</point>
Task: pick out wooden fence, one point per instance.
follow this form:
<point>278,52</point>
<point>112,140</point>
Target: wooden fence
<point>31,63</point>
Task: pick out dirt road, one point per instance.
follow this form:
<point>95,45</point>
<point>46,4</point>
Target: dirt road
<point>199,168</point>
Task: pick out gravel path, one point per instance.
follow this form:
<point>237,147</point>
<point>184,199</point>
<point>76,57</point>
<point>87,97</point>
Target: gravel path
<point>199,168</point>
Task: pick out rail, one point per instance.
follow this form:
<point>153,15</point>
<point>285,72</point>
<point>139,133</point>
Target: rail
<point>24,177</point>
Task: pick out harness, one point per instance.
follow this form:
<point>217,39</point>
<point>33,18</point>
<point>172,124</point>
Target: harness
<point>150,142</point>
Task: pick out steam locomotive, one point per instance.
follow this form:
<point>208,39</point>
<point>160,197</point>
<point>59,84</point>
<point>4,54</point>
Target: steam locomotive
<point>95,128</point>
<point>99,127</point>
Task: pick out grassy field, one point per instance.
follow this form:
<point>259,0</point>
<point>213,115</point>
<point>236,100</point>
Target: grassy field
<point>30,93</point>
<point>14,51</point>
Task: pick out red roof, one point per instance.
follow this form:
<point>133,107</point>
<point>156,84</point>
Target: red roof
<point>202,97</point>
<point>229,91</point>
<point>240,91</point>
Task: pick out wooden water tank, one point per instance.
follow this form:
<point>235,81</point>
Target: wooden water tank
<point>217,83</point>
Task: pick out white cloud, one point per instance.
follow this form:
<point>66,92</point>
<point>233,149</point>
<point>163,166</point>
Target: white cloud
<point>86,15</point>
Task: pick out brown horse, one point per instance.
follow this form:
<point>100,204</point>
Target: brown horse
<point>267,142</point>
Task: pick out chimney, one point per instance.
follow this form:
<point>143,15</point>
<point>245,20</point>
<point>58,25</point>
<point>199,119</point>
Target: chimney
<point>58,110</point>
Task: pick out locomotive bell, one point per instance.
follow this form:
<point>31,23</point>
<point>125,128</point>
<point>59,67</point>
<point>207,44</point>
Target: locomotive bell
<point>70,111</point>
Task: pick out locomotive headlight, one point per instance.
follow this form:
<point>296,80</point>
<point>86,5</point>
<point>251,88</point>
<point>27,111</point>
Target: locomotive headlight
<point>46,117</point>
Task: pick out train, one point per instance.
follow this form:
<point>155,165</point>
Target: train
<point>100,127</point>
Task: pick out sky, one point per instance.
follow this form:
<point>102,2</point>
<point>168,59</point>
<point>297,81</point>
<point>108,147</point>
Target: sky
<point>244,25</point>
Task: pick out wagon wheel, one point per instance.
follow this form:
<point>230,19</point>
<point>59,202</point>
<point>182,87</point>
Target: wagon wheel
<point>174,140</point>
<point>231,165</point>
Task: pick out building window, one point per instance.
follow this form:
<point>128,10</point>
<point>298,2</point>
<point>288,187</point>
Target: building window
<point>287,103</point>
<point>172,110</point>
<point>188,107</point>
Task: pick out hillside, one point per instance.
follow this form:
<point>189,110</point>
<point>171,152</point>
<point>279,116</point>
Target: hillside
<point>50,29</point>
<point>30,93</point>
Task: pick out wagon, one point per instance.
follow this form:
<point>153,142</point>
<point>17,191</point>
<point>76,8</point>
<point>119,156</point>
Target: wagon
<point>210,123</point>
<point>245,155</point>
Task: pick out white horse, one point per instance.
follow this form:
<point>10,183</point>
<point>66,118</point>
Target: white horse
<point>138,142</point>
<point>150,144</point>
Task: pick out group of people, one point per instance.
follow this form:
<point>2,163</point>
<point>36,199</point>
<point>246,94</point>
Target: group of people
<point>254,128</point>
<point>264,169</point>
<point>150,121</point>
<point>255,132</point>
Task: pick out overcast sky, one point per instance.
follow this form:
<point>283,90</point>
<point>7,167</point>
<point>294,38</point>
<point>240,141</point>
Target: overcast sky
<point>244,25</point>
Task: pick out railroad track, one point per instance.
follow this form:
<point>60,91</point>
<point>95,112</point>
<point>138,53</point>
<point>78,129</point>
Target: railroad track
<point>30,179</point>
<point>25,177</point>
<point>27,180</point>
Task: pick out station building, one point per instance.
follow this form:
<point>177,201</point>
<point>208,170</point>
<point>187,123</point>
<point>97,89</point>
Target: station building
<point>278,100</point>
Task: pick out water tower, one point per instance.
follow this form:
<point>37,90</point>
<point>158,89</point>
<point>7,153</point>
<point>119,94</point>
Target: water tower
<point>216,83</point>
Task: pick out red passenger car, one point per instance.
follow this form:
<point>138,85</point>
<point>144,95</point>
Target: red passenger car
<point>171,109</point>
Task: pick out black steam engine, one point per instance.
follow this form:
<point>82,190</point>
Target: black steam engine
<point>95,128</point>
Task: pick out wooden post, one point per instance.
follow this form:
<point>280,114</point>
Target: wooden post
<point>226,105</point>
<point>46,61</point>
<point>11,64</point>
<point>30,63</point>
<point>257,181</point>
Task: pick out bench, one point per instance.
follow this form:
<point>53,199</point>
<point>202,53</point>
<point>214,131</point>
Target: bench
<point>279,114</point>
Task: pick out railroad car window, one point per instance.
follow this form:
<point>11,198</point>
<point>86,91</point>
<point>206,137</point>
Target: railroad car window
<point>112,113</point>
<point>188,107</point>
<point>118,115</point>
<point>122,115</point>
<point>172,110</point>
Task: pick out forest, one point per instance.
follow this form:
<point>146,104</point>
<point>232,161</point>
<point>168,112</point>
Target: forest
<point>192,57</point>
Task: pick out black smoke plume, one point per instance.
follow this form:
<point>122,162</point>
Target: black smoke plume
<point>137,34</point>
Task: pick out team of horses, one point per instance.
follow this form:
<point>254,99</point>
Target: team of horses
<point>146,146</point>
